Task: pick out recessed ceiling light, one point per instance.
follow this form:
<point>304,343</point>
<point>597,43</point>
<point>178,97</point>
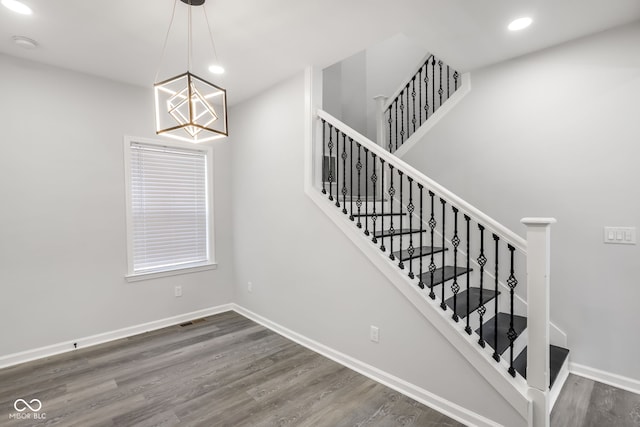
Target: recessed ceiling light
<point>520,23</point>
<point>216,69</point>
<point>17,7</point>
<point>25,42</point>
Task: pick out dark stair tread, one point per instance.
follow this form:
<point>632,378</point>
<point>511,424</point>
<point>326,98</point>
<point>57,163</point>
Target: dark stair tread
<point>504,321</point>
<point>557,356</point>
<point>379,214</point>
<point>418,252</point>
<point>474,296</point>
<point>441,275</point>
<point>387,233</point>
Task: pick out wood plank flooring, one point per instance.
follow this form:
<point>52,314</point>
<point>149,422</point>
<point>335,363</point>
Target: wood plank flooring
<point>223,371</point>
<point>229,371</point>
<point>587,403</point>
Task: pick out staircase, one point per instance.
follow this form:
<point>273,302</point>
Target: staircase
<point>490,284</point>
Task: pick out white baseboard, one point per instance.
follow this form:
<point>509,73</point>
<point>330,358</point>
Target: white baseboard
<point>63,347</point>
<point>614,380</point>
<point>441,405</point>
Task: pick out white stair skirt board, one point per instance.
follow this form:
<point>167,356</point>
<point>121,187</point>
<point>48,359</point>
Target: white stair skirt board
<point>63,347</point>
<point>614,380</point>
<point>514,390</point>
<point>554,393</point>
<point>419,394</point>
<point>448,105</point>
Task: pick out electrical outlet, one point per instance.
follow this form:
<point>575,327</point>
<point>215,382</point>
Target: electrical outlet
<point>374,334</point>
<point>177,291</point>
<point>250,287</point>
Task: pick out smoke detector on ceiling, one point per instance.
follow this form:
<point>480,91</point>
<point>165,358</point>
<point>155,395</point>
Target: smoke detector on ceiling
<point>25,42</point>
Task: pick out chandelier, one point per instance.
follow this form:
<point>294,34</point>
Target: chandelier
<point>188,107</point>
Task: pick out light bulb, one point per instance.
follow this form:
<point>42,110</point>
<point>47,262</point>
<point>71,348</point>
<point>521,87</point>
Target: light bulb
<point>17,7</point>
<point>216,69</point>
<point>520,23</point>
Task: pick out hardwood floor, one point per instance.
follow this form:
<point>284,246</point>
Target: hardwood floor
<point>587,403</point>
<point>223,371</point>
<point>229,371</point>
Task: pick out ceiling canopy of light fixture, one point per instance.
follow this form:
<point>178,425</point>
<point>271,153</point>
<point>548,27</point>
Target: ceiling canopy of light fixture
<point>188,107</point>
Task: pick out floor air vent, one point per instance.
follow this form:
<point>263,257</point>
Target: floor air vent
<point>193,322</point>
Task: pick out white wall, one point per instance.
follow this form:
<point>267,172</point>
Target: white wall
<point>350,85</point>
<point>309,277</point>
<point>345,90</point>
<point>332,89</point>
<point>62,222</point>
<point>389,64</point>
<point>556,133</point>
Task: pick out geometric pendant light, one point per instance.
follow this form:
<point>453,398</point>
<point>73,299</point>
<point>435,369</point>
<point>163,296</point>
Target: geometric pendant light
<point>189,108</point>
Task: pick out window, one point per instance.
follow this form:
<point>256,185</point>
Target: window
<point>169,208</point>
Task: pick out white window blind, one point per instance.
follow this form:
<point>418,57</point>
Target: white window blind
<point>169,208</point>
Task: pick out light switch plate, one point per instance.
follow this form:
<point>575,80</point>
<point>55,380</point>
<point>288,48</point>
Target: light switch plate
<point>620,235</point>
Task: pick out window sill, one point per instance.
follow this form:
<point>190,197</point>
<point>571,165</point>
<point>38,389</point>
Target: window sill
<point>137,277</point>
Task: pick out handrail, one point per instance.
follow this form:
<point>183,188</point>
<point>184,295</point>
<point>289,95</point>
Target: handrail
<point>405,82</point>
<point>415,101</point>
<point>474,213</point>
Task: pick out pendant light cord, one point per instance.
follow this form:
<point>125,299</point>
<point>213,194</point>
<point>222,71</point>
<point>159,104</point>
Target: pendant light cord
<point>166,39</point>
<point>189,48</point>
<point>215,53</point>
<point>189,39</point>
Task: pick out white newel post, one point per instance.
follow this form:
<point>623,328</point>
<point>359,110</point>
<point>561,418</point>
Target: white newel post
<point>538,269</point>
<point>380,128</point>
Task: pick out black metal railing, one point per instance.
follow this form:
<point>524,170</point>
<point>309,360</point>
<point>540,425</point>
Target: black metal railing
<point>452,241</point>
<point>421,96</point>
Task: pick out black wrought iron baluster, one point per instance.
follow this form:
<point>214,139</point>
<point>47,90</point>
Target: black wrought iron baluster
<point>420,95</point>
<point>374,216</point>
<point>395,102</point>
<point>344,174</point>
<point>408,107</point>
<point>401,118</point>
<point>410,209</point>
<point>512,282</point>
<point>351,179</point>
<point>337,167</point>
<point>390,129</point>
<point>440,91</point>
<point>448,82</point>
<point>392,192</point>
<point>432,264</point>
<point>359,199</point>
<point>444,203</point>
<point>366,192</point>
<point>421,282</point>
<point>382,201</point>
<point>433,84</point>
<point>324,156</point>
<point>413,96</point>
<point>426,90</point>
<point>455,80</point>
<point>496,356</point>
<point>467,328</point>
<point>482,260</point>
<point>400,263</point>
<point>330,177</point>
<point>455,241</point>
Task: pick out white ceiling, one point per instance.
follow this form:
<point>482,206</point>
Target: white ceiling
<point>261,42</point>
